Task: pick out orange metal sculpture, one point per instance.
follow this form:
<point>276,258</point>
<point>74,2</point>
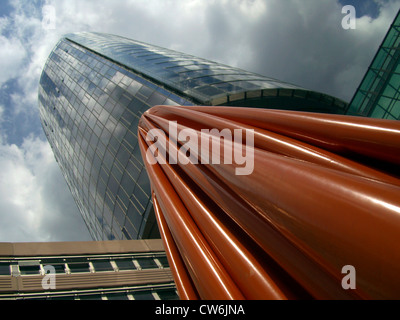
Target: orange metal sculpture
<point>323,193</point>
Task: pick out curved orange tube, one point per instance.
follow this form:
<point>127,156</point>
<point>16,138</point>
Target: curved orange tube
<point>288,228</point>
<point>186,290</point>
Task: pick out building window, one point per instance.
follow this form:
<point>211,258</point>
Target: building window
<point>143,295</point>
<point>27,270</point>
<point>5,269</point>
<point>59,267</point>
<point>125,264</point>
<point>168,294</point>
<point>102,265</point>
<point>163,261</point>
<point>76,267</point>
<point>147,263</point>
<point>57,264</point>
<point>117,296</point>
<point>29,267</point>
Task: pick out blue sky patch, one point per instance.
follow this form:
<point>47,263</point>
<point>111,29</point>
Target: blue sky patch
<point>363,7</point>
<point>5,8</point>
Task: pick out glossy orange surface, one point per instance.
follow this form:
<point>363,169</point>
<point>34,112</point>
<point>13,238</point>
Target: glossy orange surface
<point>324,193</point>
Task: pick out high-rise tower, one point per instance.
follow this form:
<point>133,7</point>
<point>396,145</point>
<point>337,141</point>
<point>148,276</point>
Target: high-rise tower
<point>93,90</point>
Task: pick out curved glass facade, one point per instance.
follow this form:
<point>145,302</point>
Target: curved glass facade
<point>203,81</point>
<point>90,108</point>
<point>92,92</point>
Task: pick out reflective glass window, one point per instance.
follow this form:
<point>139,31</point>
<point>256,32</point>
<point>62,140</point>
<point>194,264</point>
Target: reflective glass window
<point>77,267</point>
<point>163,261</point>
<point>143,295</point>
<point>102,265</point>
<point>125,264</point>
<point>133,213</point>
<point>29,269</point>
<point>156,99</point>
<point>134,87</point>
<point>168,294</point>
<point>145,92</point>
<point>57,264</point>
<point>141,196</point>
<point>5,269</point>
<point>119,215</point>
<point>117,296</point>
<point>144,182</point>
<point>147,263</point>
<point>131,229</point>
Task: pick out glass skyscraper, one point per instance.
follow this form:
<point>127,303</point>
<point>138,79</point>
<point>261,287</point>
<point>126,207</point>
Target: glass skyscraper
<point>92,92</point>
<point>378,95</point>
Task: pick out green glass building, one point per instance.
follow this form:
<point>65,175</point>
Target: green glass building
<point>378,95</point>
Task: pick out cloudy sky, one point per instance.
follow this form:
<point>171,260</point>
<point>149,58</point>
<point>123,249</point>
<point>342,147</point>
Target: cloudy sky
<point>298,41</point>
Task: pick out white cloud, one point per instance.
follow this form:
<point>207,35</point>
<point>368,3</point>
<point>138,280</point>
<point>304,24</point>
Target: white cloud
<point>302,42</point>
<point>35,204</point>
<point>12,53</point>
